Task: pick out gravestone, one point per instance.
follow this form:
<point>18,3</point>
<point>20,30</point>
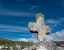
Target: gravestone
<point>5,48</point>
<point>24,49</point>
<point>16,47</point>
<point>19,47</point>
<point>41,29</point>
<point>0,47</point>
<point>11,48</point>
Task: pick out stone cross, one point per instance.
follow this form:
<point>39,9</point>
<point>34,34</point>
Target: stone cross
<point>39,27</point>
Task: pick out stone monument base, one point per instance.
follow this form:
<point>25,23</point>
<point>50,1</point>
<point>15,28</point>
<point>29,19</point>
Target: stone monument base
<point>46,45</point>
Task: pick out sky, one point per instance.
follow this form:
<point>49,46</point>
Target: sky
<point>15,15</point>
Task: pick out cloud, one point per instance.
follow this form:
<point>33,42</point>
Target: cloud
<point>10,28</point>
<point>27,35</point>
<point>52,21</point>
<point>62,3</point>
<point>20,0</point>
<point>62,18</point>
<point>23,39</point>
<point>57,36</point>
<point>33,7</point>
<point>0,5</point>
<point>33,39</point>
<point>14,13</point>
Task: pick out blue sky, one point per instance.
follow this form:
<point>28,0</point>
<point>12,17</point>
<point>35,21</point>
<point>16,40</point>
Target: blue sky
<point>15,15</point>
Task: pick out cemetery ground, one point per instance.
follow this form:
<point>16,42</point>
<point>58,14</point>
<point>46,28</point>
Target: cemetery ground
<point>13,44</point>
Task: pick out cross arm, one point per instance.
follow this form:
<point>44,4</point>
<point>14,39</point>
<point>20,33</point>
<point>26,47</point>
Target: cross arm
<point>32,27</point>
<point>48,30</point>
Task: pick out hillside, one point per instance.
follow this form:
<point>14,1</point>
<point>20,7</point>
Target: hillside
<point>13,43</point>
<point>59,42</point>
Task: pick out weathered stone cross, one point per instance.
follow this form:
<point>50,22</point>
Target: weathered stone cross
<point>39,27</point>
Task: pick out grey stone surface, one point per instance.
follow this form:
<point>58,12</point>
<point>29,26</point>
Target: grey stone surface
<point>49,45</point>
<point>41,47</point>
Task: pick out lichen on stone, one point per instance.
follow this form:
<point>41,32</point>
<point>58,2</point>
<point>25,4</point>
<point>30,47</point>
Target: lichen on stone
<point>39,15</point>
